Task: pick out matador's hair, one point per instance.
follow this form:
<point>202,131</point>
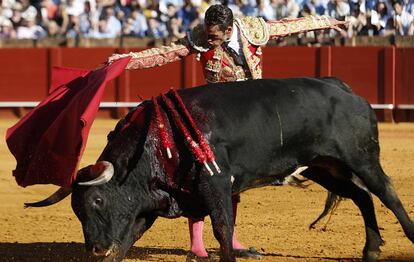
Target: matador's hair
<point>219,15</point>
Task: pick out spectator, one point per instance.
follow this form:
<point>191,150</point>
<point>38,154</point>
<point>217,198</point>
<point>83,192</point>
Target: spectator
<point>123,9</point>
<point>236,7</point>
<point>16,18</point>
<point>6,29</point>
<point>321,6</point>
<point>6,9</point>
<point>28,11</point>
<point>358,24</point>
<point>174,23</point>
<point>127,29</point>
<point>265,10</point>
<point>87,19</point>
<point>248,7</point>
<point>277,6</point>
<point>137,24</point>
<point>102,30</point>
<point>62,18</point>
<point>48,11</point>
<point>30,30</point>
<point>379,17</point>
<point>53,29</point>
<point>353,4</point>
<point>155,29</point>
<point>74,30</point>
<point>338,9</point>
<point>100,6</point>
<point>164,5</point>
<point>403,20</point>
<point>370,5</point>
<point>151,10</point>
<point>188,15</point>
<point>114,26</point>
<point>74,7</point>
<point>308,9</point>
<point>390,28</point>
<point>285,9</point>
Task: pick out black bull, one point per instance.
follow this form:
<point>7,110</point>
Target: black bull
<point>261,131</point>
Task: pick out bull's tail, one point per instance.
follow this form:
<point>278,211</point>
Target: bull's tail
<point>332,202</point>
<point>297,180</point>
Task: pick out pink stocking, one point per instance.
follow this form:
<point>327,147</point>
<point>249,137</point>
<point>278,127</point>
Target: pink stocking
<point>196,237</point>
<point>236,243</point>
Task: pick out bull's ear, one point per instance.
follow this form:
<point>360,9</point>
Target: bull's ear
<point>100,173</point>
<point>84,174</point>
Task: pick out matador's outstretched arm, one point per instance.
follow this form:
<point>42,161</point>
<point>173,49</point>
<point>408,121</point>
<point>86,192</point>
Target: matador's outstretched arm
<point>304,24</point>
<point>154,56</point>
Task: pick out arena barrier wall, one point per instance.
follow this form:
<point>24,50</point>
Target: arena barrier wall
<point>383,75</point>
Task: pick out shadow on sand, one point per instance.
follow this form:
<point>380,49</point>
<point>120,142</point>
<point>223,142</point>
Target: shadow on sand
<point>36,252</point>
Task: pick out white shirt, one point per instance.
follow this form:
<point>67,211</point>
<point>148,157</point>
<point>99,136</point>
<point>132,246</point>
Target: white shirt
<point>235,42</point>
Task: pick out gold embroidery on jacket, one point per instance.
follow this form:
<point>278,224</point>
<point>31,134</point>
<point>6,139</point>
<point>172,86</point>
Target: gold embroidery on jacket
<point>289,26</point>
<point>213,66</point>
<point>240,75</point>
<point>156,56</point>
<point>253,60</point>
<point>232,72</point>
<point>219,71</point>
<point>212,77</point>
<point>254,29</point>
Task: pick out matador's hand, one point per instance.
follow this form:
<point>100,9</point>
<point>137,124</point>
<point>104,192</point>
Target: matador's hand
<point>338,25</point>
<point>114,57</point>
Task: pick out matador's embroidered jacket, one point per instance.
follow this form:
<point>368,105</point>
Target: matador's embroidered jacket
<point>218,64</point>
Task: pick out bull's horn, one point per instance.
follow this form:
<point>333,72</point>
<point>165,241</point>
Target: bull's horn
<point>103,171</point>
<point>53,199</point>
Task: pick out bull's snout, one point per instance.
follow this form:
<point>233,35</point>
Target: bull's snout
<point>99,251</point>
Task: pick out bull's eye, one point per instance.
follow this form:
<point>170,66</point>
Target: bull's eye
<point>98,202</point>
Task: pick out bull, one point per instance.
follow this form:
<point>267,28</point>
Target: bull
<point>261,131</point>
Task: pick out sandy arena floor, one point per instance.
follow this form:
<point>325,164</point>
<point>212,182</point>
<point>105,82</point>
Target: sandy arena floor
<point>274,220</point>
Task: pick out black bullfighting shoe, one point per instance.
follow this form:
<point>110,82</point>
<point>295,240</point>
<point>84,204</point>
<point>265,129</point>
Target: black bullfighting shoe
<point>191,257</point>
<point>251,252</point>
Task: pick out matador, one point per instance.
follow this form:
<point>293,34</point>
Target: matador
<point>249,34</point>
<point>229,50</point>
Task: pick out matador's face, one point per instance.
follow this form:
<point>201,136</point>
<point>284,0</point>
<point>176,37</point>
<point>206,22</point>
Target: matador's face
<point>215,36</point>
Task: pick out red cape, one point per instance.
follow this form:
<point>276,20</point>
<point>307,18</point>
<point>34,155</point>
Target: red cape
<point>49,141</point>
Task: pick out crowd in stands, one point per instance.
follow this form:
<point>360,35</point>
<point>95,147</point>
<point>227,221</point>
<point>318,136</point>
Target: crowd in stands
<point>34,19</point>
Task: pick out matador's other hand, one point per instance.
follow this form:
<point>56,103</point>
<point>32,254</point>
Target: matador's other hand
<point>338,25</point>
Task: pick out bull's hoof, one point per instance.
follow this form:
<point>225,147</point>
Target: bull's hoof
<point>371,256</point>
<point>251,252</point>
<point>191,257</point>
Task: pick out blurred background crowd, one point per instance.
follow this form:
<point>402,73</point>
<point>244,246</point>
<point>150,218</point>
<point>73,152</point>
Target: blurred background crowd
<point>34,19</point>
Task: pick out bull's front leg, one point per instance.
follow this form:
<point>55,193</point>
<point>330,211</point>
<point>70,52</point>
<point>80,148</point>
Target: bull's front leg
<point>216,193</point>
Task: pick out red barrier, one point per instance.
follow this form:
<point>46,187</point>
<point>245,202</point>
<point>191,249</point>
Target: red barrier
<point>290,62</point>
<point>404,76</point>
<point>404,84</point>
<point>24,74</point>
<point>150,82</point>
<point>380,74</point>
